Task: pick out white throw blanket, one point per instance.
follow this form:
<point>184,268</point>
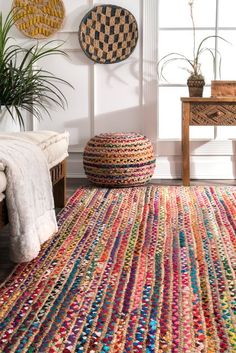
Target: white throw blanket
<point>29,197</point>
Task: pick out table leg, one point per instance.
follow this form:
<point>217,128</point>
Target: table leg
<point>185,144</point>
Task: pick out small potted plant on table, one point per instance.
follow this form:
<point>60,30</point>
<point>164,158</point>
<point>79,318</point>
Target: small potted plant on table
<point>196,80</point>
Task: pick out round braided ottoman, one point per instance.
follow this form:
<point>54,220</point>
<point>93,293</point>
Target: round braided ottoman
<point>119,159</point>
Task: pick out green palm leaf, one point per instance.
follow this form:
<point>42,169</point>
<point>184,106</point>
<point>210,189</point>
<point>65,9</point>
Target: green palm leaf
<point>24,86</point>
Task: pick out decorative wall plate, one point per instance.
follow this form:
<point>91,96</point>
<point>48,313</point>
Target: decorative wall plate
<point>39,19</point>
<point>108,34</point>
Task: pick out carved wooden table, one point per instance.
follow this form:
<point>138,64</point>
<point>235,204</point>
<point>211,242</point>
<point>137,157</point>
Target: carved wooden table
<point>200,112</point>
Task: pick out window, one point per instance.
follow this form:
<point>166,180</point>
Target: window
<point>212,17</point>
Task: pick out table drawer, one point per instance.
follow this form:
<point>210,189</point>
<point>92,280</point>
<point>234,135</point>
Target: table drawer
<point>212,114</point>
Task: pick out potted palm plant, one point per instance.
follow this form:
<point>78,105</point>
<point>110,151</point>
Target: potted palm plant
<point>24,86</point>
<point>196,80</point>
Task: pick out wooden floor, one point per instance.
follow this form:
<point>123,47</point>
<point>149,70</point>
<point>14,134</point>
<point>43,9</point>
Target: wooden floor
<point>6,266</point>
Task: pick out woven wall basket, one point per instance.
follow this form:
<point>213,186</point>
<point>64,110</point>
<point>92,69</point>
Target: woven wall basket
<point>108,34</point>
<point>39,19</point>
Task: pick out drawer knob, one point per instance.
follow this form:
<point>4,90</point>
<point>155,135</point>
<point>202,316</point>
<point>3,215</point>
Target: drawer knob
<point>214,115</point>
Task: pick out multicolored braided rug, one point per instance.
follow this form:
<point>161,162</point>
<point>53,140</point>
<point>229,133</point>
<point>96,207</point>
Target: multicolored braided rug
<point>147,269</point>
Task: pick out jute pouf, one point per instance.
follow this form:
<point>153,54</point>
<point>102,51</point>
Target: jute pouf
<point>119,159</point>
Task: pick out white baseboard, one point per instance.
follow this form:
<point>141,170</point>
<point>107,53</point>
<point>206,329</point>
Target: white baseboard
<point>169,167</point>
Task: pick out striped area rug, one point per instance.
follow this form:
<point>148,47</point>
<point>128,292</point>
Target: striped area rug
<point>147,269</point>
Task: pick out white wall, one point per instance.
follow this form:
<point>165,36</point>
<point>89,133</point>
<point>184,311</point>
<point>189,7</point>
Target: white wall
<point>106,97</point>
<point>119,97</point>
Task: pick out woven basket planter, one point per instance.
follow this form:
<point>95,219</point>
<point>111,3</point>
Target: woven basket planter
<point>195,87</point>
<point>119,160</point>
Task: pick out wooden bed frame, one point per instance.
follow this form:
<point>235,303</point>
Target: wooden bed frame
<point>58,176</point>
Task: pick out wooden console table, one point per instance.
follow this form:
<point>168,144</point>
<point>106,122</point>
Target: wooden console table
<point>200,112</point>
